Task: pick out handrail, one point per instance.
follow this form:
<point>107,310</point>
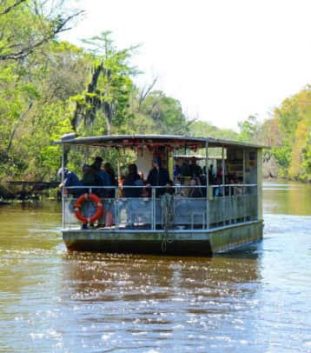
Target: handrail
<point>204,212</point>
<point>156,187</point>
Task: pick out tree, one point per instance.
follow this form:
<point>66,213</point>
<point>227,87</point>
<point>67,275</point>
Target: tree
<point>104,105</point>
<point>201,128</point>
<point>26,26</point>
<point>35,108</point>
<point>166,113</point>
<point>249,129</point>
<point>294,119</point>
<point>302,133</point>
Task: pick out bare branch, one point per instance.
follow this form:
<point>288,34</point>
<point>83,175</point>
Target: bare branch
<point>8,9</point>
<point>145,91</point>
<point>59,28</point>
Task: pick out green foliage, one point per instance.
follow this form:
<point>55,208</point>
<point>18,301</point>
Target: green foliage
<point>103,106</point>
<point>283,157</point>
<point>204,129</point>
<point>306,158</point>
<point>165,113</point>
<point>49,88</point>
<point>249,129</point>
<point>288,132</point>
<point>294,117</point>
<point>27,25</point>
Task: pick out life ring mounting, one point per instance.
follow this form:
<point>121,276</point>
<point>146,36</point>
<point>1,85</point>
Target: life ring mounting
<point>78,208</point>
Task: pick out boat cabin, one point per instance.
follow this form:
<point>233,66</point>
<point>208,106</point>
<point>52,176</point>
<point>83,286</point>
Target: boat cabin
<point>168,194</point>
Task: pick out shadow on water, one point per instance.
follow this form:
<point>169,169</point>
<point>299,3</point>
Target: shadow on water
<point>110,277</point>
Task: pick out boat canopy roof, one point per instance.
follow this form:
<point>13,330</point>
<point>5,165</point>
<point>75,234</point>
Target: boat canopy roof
<point>172,141</point>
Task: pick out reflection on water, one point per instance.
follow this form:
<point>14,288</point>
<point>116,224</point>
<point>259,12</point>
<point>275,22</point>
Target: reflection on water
<point>290,198</point>
<point>247,301</point>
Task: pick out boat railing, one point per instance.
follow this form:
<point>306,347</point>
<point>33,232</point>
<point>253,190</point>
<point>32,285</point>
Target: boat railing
<point>177,207</point>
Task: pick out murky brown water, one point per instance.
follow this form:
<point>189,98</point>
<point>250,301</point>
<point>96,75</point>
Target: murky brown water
<point>252,301</point>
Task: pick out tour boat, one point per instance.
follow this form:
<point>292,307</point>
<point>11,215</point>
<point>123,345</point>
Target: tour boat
<point>217,210</point>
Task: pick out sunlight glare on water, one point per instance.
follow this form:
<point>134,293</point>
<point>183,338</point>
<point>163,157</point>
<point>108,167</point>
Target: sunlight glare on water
<point>256,300</point>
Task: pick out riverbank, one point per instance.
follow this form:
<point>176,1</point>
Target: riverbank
<point>285,180</point>
<point>27,191</point>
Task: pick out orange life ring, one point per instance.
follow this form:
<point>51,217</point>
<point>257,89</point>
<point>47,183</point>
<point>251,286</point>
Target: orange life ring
<point>78,205</point>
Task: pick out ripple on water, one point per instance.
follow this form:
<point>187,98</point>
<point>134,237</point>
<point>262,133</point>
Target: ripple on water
<point>251,301</point>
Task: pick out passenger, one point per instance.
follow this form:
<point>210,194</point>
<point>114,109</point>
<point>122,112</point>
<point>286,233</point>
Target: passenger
<point>91,178</point>
<point>141,174</point>
<point>211,175</point>
<point>219,174</point>
<point>202,182</point>
<point>132,179</point>
<point>236,188</point>
<point>218,191</point>
<point>177,168</point>
<point>158,176</point>
<point>103,178</point>
<point>195,191</point>
<point>103,175</point>
<point>195,170</point>
<point>145,190</point>
<point>113,180</point>
<point>97,163</point>
<point>130,191</point>
<point>169,188</point>
<point>185,189</point>
<point>185,169</point>
<point>120,192</point>
<point>70,179</point>
<point>178,184</point>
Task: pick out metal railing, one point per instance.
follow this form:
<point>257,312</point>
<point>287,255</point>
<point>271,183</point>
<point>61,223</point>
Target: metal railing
<point>175,207</point>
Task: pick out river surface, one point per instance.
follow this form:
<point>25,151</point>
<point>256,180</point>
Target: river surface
<point>250,301</point>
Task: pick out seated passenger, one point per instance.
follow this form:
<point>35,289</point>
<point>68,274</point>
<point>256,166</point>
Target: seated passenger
<point>132,179</point>
<point>184,191</point>
<point>158,176</point>
<point>195,191</point>
<point>178,184</point>
<point>236,188</point>
<point>169,188</point>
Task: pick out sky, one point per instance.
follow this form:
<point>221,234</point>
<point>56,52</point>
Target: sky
<point>222,59</point>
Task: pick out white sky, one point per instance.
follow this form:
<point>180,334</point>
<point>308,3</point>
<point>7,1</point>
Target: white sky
<point>223,59</point>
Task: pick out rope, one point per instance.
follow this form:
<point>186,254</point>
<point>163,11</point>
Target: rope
<point>167,206</point>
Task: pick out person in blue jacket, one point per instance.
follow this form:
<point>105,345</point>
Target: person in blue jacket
<point>101,177</point>
<point>70,180</point>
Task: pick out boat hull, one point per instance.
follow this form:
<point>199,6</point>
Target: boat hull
<point>172,242</point>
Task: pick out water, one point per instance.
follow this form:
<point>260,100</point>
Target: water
<point>251,301</point>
